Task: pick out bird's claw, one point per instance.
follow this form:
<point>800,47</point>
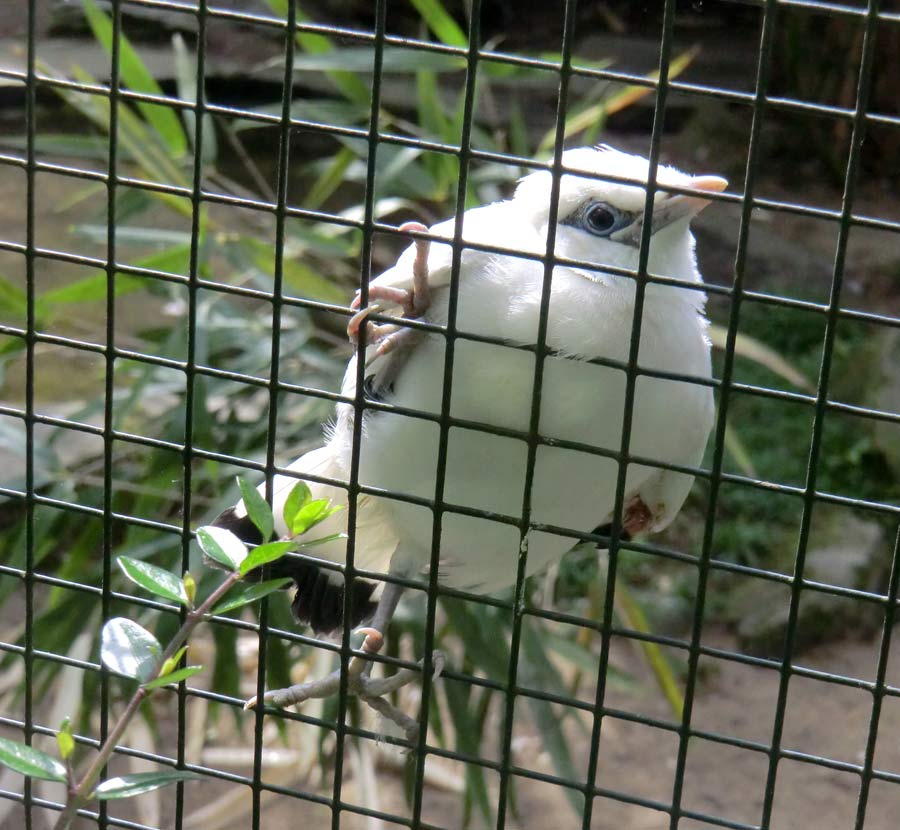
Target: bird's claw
<point>359,683</point>
<point>414,302</point>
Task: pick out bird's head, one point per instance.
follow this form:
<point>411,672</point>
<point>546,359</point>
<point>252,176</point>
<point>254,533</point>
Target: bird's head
<point>602,221</point>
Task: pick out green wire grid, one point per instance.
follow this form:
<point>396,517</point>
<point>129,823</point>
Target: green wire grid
<point>199,194</point>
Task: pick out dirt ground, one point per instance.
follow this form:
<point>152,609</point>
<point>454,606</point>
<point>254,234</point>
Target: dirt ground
<point>637,761</point>
<point>822,719</point>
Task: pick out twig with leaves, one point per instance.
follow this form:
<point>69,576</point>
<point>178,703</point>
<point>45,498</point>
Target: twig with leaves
<point>129,650</point>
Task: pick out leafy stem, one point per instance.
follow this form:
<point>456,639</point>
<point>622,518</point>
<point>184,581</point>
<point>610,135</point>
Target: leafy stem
<point>81,793</point>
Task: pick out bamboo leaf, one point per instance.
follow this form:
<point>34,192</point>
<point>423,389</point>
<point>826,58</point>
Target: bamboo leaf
<point>90,289</point>
<point>12,298</point>
<point>138,78</point>
<point>442,25</point>
<point>635,618</point>
<point>738,452</point>
<point>347,83</point>
<point>597,113</point>
<point>759,352</point>
<point>301,278</point>
<point>187,83</point>
<point>330,179</point>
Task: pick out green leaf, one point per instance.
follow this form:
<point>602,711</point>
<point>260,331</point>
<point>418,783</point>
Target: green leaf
<point>444,27</point>
<point>128,649</point>
<point>172,662</point>
<point>298,498</point>
<point>138,78</point>
<point>222,546</point>
<point>64,739</point>
<point>312,514</point>
<point>324,540</point>
<point>246,594</point>
<point>31,762</point>
<point>126,786</point>
<point>257,509</point>
<point>153,579</point>
<point>263,554</point>
<point>190,587</point>
<point>173,677</point>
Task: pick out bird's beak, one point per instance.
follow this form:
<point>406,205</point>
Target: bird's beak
<point>673,207</point>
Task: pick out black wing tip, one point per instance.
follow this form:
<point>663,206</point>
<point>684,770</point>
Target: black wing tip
<point>240,526</point>
<point>319,601</point>
<point>606,530</point>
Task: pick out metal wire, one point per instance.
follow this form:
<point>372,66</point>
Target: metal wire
<point>202,195</point>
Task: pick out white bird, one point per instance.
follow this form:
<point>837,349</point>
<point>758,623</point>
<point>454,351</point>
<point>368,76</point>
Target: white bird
<point>591,314</point>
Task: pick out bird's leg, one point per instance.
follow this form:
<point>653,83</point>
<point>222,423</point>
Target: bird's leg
<point>414,302</point>
<point>359,681</point>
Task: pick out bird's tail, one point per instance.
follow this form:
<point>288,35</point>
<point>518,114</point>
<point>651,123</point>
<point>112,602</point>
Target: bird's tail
<point>319,597</point>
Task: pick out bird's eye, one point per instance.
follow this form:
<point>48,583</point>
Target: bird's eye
<point>601,219</point>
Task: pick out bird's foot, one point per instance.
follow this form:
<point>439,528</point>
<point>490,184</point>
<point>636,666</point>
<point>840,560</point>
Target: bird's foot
<point>359,683</point>
<point>414,302</point>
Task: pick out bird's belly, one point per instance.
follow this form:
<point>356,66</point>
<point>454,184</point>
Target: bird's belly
<point>573,488</point>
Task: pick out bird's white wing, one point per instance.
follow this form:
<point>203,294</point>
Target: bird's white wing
<point>665,492</point>
<point>376,540</point>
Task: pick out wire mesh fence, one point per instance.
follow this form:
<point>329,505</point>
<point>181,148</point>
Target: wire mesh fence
<point>247,373</point>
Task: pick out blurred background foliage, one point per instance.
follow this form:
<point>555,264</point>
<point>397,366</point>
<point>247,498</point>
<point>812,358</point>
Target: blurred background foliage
<point>778,347</point>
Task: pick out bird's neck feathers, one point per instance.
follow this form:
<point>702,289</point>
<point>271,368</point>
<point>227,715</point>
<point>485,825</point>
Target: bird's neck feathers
<point>591,312</point>
<point>671,255</point>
